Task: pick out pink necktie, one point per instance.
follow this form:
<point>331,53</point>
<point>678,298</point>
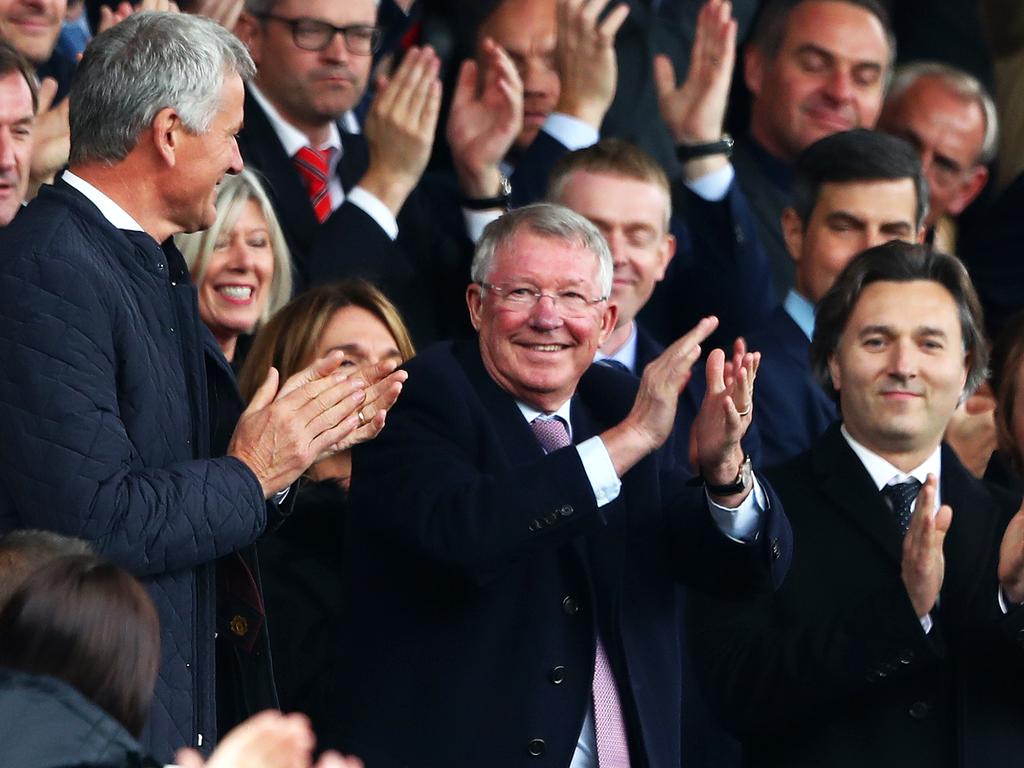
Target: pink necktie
<point>612,748</point>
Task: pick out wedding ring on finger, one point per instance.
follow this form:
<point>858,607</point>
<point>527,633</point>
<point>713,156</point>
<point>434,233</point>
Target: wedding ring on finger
<point>361,417</point>
<point>745,411</point>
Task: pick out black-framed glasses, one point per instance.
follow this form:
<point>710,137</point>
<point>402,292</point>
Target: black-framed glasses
<point>525,297</point>
<point>315,34</point>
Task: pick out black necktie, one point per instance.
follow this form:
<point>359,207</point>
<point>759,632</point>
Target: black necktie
<point>611,362</point>
<point>900,496</point>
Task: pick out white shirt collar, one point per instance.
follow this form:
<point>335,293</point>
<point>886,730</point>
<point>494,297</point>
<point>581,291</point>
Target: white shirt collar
<point>291,138</point>
<point>111,211</point>
<point>883,473</point>
<point>626,354</point>
<point>530,413</point>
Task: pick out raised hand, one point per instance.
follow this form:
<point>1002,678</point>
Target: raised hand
<point>1011,559</point>
<point>267,740</point>
<point>924,564</point>
<point>224,12</point>
<point>585,55</point>
<point>485,118</point>
<point>400,128</point>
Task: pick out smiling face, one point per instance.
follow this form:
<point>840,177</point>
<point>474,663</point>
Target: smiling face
<point>311,88</point>
<point>16,126</point>
<point>847,218</point>
<point>631,215</point>
<point>32,26</point>
<point>538,355</point>
<point>526,29</point>
<point>827,76</point>
<point>900,368</point>
<point>236,285</point>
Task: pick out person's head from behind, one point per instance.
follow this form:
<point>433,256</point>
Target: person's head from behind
<point>25,549</point>
<point>32,26</point>
<point>527,30</point>
<point>352,316</point>
<point>852,190</point>
<point>313,56</point>
<point>91,624</point>
<point>19,101</point>
<point>815,67</point>
<point>1008,385</point>
<point>950,119</point>
<point>542,275</point>
<point>898,340</point>
<point>240,265</point>
<point>164,89</point>
<point>625,193</point>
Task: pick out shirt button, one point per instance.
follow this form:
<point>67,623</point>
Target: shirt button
<point>536,747</point>
<point>570,606</point>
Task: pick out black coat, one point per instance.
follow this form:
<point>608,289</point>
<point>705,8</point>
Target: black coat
<point>834,669</point>
<point>103,394</point>
<point>45,723</point>
<point>477,570</point>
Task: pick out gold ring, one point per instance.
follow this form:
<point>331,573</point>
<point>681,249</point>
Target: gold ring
<point>744,413</point>
<point>362,419</point>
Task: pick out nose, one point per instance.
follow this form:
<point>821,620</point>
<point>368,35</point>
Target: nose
<point>616,246</point>
<point>336,50</point>
<point>7,156</point>
<point>545,314</point>
<point>538,77</point>
<point>839,86</point>
<point>903,360</point>
<point>236,163</point>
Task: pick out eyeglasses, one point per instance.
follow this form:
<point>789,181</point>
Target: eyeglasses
<point>525,297</point>
<point>315,35</point>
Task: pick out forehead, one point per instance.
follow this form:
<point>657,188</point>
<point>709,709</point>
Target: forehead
<point>905,307</point>
<point>544,260</point>
<point>873,201</point>
<point>932,107</point>
<point>846,30</point>
<point>614,199</point>
<point>522,25</point>
<point>15,98</point>
<point>338,13</point>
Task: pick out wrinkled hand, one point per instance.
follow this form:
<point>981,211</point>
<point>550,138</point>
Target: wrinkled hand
<point>924,564</point>
<point>285,429</point>
<point>585,56</point>
<point>485,118</point>
<point>387,386</point>
<point>111,16</point>
<point>971,432</point>
<point>400,127</point>
<point>726,413</point>
<point>224,12</point>
<point>1011,559</point>
<point>51,138</point>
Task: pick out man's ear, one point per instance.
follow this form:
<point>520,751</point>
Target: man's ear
<point>474,301</point>
<point>249,30</point>
<point>970,188</point>
<point>793,233</point>
<point>665,253</point>
<point>753,69</point>
<point>166,131</point>
<point>608,320</point>
<point>833,372</point>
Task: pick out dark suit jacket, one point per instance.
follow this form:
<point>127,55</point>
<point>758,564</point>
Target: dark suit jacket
<point>478,569</point>
<point>791,408</point>
<point>834,669</point>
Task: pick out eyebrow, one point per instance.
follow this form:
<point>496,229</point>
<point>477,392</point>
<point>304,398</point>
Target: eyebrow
<point>889,332</point>
<point>832,56</point>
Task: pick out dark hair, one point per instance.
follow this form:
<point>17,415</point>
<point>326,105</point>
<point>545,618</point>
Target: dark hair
<point>773,19</point>
<point>900,262</point>
<point>13,61</point>
<point>1007,354</point>
<point>25,549</point>
<point>856,155</point>
<point>91,624</point>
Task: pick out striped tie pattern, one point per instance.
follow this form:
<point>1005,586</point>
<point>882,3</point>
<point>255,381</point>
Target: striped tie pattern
<point>312,165</point>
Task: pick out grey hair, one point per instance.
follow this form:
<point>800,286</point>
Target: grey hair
<point>148,62</point>
<point>964,85</point>
<point>232,194</point>
<point>547,220</point>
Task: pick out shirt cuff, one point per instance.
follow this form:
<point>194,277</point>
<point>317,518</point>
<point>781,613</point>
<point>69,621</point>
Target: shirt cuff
<point>570,131</point>
<point>741,523</point>
<point>600,470</point>
<point>281,495</point>
<point>713,186</point>
<point>477,220</point>
<point>375,209</point>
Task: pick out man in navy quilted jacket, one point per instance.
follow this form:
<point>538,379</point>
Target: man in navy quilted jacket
<point>107,368</point>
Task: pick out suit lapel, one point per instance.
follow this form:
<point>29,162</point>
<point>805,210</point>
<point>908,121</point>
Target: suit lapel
<point>355,159</point>
<point>850,488</point>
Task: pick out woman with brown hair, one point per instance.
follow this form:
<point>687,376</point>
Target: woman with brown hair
<point>301,560</point>
<point>1007,376</point>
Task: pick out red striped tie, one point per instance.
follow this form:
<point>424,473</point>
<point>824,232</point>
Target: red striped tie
<point>312,165</point>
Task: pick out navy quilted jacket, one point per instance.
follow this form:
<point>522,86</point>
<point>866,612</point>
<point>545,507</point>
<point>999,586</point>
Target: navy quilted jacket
<point>106,432</point>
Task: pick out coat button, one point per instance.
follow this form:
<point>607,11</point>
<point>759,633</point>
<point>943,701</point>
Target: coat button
<point>570,606</point>
<point>536,747</point>
<point>557,675</point>
<point>919,710</point>
<point>565,510</point>
<point>905,656</point>
<point>533,526</point>
<point>239,625</point>
<point>551,518</point>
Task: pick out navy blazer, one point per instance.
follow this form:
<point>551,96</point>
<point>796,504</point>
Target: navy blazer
<point>834,668</point>
<point>791,409</point>
<point>478,571</point>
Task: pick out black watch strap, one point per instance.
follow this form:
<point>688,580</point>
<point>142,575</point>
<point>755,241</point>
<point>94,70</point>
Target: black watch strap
<point>722,146</point>
<point>502,200</point>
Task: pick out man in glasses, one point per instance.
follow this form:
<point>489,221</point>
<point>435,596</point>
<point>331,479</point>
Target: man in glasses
<point>517,534</point>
